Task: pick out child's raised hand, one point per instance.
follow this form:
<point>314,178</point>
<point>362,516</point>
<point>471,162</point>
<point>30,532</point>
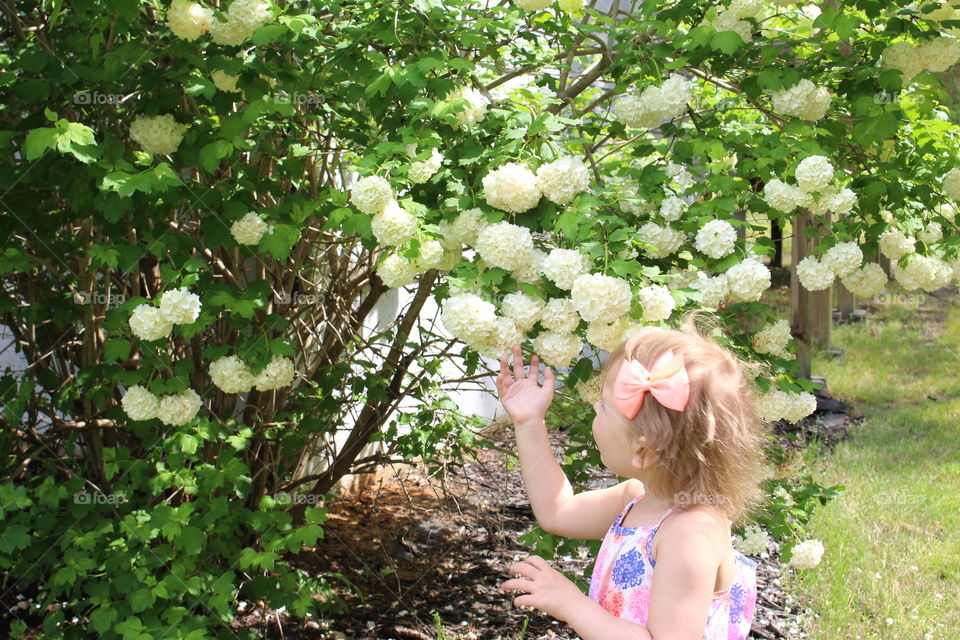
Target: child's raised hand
<point>521,395</point>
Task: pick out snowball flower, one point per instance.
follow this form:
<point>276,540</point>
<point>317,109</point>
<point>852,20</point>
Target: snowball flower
<point>139,403</point>
<point>421,171</point>
<point>714,290</point>
<point>601,298</point>
<point>782,405</point>
<point>590,389</point>
<point>564,266</point>
<point>748,279</point>
<point>933,232</point>
<point>278,373</point>
<point>468,317</point>
<point>159,135</point>
<point>504,245</point>
<point>188,20</point>
<point>243,18</point>
<point>663,240</point>
<point>814,275</point>
<point>923,272</point>
<point>179,306</point>
<point>607,336</point>
<point>397,271</point>
<point>557,349</point>
<point>654,104</point>
<point>894,244</point>
<point>842,202</point>
<point>806,555</point>
<point>523,309</point>
<point>531,267</point>
<point>147,323</point>
<point>431,255</point>
<point>814,173</point>
<point>500,338</point>
<point>753,542</point>
<point>476,109</point>
<point>657,303</point>
<point>371,194</point>
<point>179,408</point>
<point>559,315</point>
<point>773,339</point>
<point>803,100</point>
<point>672,208</point>
<point>843,257</point>
<point>562,179</point>
<point>951,183</point>
<point>394,225</point>
<point>716,239</point>
<point>231,375</point>
<point>533,5</point>
<point>511,187</point>
<point>463,230</point>
<point>866,281</point>
<point>784,197</point>
<point>249,229</point>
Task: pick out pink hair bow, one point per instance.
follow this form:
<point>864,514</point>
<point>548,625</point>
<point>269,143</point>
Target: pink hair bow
<point>667,381</point>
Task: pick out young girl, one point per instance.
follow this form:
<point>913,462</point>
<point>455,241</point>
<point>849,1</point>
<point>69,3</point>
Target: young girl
<point>678,417</point>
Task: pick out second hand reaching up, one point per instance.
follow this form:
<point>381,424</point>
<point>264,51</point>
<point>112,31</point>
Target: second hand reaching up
<point>521,395</point>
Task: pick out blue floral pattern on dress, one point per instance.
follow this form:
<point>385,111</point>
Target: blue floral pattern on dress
<point>628,570</point>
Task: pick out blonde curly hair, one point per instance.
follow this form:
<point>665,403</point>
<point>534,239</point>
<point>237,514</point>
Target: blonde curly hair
<point>713,451</point>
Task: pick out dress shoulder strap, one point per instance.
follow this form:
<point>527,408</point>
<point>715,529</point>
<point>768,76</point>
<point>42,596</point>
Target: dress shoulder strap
<point>664,516</point>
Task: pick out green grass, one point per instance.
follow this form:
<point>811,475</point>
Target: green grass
<point>892,539</point>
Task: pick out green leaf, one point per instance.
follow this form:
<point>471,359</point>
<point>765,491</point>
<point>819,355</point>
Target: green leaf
<point>191,539</point>
<point>726,41</point>
<point>39,140</point>
<point>14,537</point>
<point>280,241</point>
<point>141,599</point>
<point>213,153</point>
<point>116,349</point>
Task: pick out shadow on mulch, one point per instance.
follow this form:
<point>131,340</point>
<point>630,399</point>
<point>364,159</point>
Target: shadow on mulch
<point>415,546</point>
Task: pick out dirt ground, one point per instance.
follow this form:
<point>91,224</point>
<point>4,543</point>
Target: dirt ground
<point>415,546</point>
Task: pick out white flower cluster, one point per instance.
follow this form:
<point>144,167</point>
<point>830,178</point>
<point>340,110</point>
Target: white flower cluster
<point>158,135</point>
<point>731,18</point>
<point>564,266</point>
<point>224,81</point>
<point>941,11</point>
<point>476,109</point>
<point>278,373</point>
<point>813,274</point>
<point>523,309</point>
<point>394,225</point>
<point>867,281</point>
<point>188,20</point>
<point>177,306</point>
<point>172,409</point>
<point>664,239</point>
<point>935,55</point>
<point>371,194</point>
<point>672,208</point>
<point>571,6</point>
<point>230,374</point>
<point>773,339</point>
<point>243,18</point>
<point>951,183</point>
<point>923,272</point>
<point>654,104</point>
<point>432,256</point>
<point>463,230</point>
<point>932,233</point>
<point>716,239</point>
<point>601,298</point>
<point>250,228</point>
<point>803,100</point>
<point>511,187</point>
<point>783,196</point>
<point>753,542</point>
<point>589,390</point>
<point>814,173</point>
<point>806,555</point>
<point>894,244</point>
<point>504,245</point>
<point>557,349</point>
<point>782,405</point>
<point>421,171</point>
<point>748,279</point>
<point>562,179</point>
<point>656,301</point>
<point>843,258</point>
<point>397,271</point>
<point>713,289</point>
<point>840,202</point>
<point>607,336</point>
<point>560,315</point>
<point>474,320</point>
<point>531,268</point>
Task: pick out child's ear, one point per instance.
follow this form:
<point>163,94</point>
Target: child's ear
<point>639,453</point>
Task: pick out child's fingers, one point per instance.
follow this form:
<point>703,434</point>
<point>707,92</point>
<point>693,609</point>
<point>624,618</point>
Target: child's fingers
<point>537,562</point>
<point>548,375</point>
<point>517,585</point>
<point>517,363</point>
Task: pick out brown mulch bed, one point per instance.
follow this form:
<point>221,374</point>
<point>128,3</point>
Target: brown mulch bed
<point>415,546</point>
